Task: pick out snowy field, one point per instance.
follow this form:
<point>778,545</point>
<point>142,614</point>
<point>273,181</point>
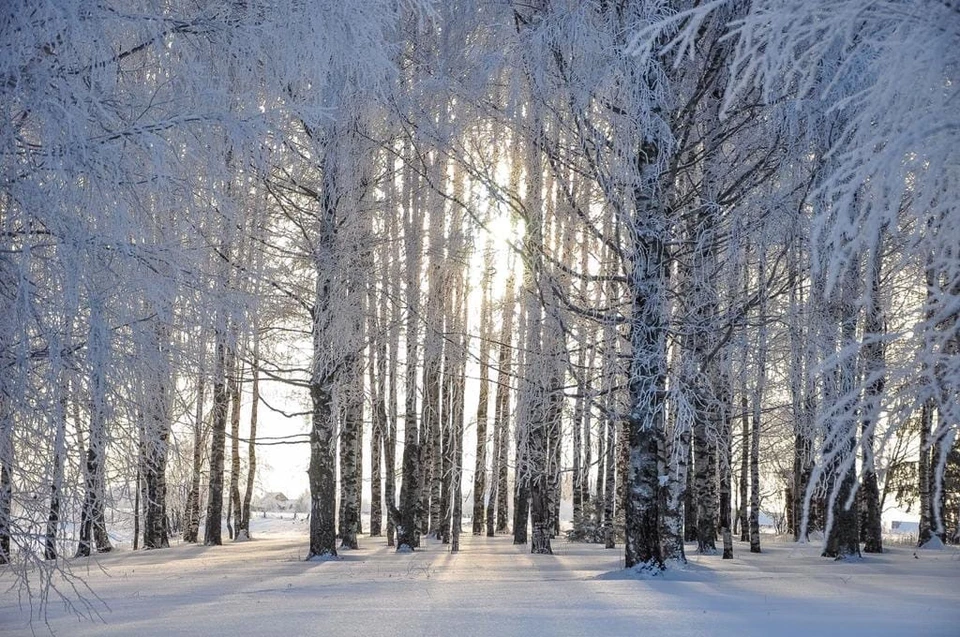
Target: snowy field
<point>263,587</point>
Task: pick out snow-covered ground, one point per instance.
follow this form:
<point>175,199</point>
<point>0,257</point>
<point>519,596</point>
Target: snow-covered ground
<point>263,587</point>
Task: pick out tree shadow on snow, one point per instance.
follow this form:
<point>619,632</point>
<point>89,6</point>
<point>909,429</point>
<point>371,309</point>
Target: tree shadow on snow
<point>673,572</point>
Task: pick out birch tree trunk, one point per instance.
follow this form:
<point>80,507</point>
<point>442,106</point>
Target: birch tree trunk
<point>377,369</point>
<point>646,283</point>
<point>6,478</point>
<point>430,443</point>
<point>497,514</point>
<point>156,435</point>
<point>92,524</point>
<point>392,280</point>
<point>408,531</point>
<point>457,397</point>
<point>243,527</point>
<point>321,471</point>
<point>392,354</point>
<point>351,399</point>
<point>925,470</point>
<point>705,462</point>
<point>875,377</point>
<point>521,434</point>
<point>758,394</point>
<point>744,480</point>
<point>924,474</point>
<point>726,439</point>
<point>335,313</point>
<point>485,334</point>
<point>448,375</point>
<point>354,229</point>
<point>609,486</point>
<point>60,380</point>
<point>212,534</point>
<point>233,388</point>
<point>843,538</point>
<point>191,528</point>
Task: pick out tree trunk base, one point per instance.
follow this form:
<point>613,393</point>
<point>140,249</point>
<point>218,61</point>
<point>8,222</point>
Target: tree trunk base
<point>540,544</point>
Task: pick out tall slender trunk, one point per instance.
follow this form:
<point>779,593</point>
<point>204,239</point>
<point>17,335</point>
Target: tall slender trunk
<point>443,498</point>
<point>586,426</point>
<point>457,411</point>
<point>212,534</point>
<point>924,474</point>
<point>378,412</point>
<point>676,494</point>
<point>433,351</point>
<point>408,532</point>
<point>744,482</point>
<point>93,530</point>
<point>234,511</point>
<point>874,369</point>
<point>498,440</point>
<point>809,517</point>
<point>497,514</point>
<point>53,516</point>
<point>6,473</point>
<point>392,280</point>
<point>705,463</point>
<point>798,373</point>
<point>321,472</point>
<point>430,430</point>
<point>456,467</point>
<point>155,524</point>
<point>521,438</point>
<point>243,527</point>
<point>451,511</point>
<point>358,485</point>
<point>555,445</point>
<point>599,496</point>
<point>351,399</point>
<point>578,468</point>
<point>755,479</point>
<point>157,432</point>
<point>740,279</point>
<point>138,486</point>
<point>581,406</point>
<point>690,525</point>
<point>451,501</point>
<point>843,539</point>
<point>483,397</point>
<point>758,395</point>
<point>430,443</point>
<point>390,451</point>
<point>609,488</point>
<point>390,431</point>
<point>723,418</point>
<point>59,380</point>
<point>539,363</point>
<point>191,529</point>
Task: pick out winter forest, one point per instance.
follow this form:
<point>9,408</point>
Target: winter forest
<point>643,275</point>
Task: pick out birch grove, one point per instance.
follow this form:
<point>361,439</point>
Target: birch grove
<point>641,272</point>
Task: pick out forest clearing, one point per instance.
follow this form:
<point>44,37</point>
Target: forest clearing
<point>492,587</point>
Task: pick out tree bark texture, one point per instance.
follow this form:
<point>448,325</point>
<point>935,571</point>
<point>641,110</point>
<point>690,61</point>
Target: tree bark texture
<point>212,535</point>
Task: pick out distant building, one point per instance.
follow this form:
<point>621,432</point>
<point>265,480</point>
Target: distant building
<point>905,527</point>
<point>274,501</point>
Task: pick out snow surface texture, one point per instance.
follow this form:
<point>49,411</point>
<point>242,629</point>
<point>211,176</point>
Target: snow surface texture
<point>263,587</point>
